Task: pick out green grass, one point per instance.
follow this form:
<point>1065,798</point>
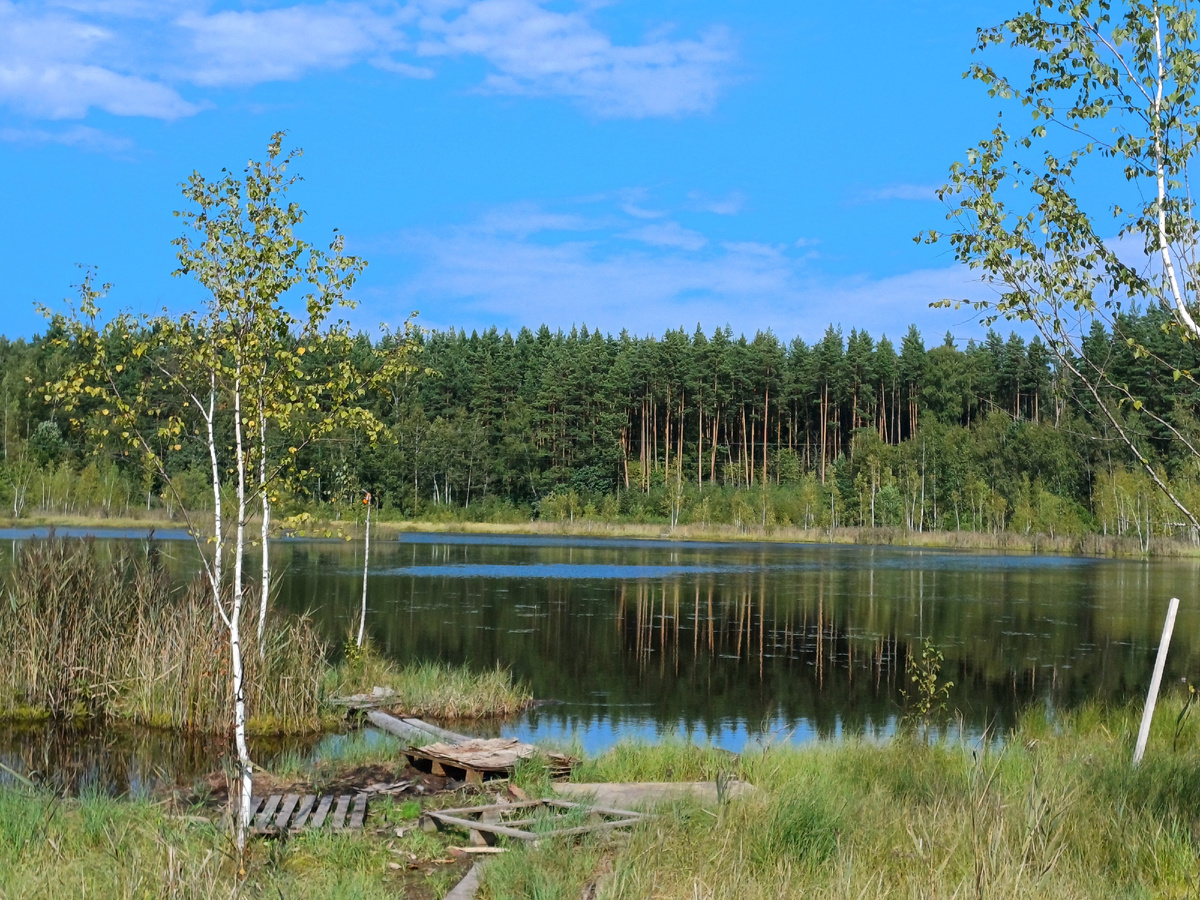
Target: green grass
<point>105,848</point>
<point>429,689</point>
<point>1053,810</point>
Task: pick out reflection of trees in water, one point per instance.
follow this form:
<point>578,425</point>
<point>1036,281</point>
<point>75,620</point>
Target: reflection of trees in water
<point>813,633</point>
<point>89,756</point>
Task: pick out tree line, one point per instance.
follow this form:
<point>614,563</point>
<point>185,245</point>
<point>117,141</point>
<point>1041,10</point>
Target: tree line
<point>688,427</point>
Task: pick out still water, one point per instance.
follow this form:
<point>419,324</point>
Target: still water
<point>730,643</point>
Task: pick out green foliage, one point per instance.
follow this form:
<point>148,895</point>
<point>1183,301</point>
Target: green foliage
<point>925,702</point>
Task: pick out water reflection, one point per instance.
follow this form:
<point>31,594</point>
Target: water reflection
<point>730,642</point>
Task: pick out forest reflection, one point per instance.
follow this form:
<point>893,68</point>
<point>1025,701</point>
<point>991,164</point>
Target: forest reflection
<point>715,640</point>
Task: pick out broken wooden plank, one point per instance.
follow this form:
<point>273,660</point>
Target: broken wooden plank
<point>286,810</point>
<point>318,818</point>
<point>478,757</point>
<point>339,813</point>
<point>360,811</point>
<point>468,887</point>
<point>301,816</point>
<point>413,729</point>
<point>255,803</point>
<point>642,795</point>
<point>268,811</point>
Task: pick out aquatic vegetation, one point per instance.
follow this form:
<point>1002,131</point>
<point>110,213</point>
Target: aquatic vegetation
<point>110,634</point>
<point>429,689</point>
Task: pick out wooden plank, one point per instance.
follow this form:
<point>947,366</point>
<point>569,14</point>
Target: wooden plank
<point>435,768</point>
<point>360,811</point>
<point>318,818</point>
<point>412,729</point>
<point>301,816</point>
<point>255,803</point>
<point>285,811</point>
<point>507,831</point>
<point>474,776</point>
<point>339,814</point>
<point>468,887</point>
<point>471,825</point>
<point>268,810</point>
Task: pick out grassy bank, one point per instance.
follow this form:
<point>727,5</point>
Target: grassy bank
<point>307,525</point>
<point>1052,811</point>
<point>105,632</point>
<point>1006,541</point>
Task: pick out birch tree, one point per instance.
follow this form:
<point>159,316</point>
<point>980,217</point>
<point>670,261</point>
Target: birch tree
<point>238,365</point>
<point>1085,208</point>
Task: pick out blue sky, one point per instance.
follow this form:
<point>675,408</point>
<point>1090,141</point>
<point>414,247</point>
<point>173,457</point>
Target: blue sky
<point>623,164</point>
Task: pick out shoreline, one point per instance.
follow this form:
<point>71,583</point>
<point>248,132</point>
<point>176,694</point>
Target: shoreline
<point>1089,545</point>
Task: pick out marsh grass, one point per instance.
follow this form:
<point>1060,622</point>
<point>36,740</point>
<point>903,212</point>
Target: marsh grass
<point>429,689</point>
<point>95,846</point>
<point>106,632</point>
<point>94,633</point>
<point>1053,809</point>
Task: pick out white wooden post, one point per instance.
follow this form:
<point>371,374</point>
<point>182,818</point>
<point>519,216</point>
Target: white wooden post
<point>1155,681</point>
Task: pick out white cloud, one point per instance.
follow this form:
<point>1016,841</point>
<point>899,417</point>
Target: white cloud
<point>668,234</point>
<point>54,66</point>
<point>477,274</point>
<point>543,52</point>
<point>76,136</point>
<point>251,47</point>
<point>62,58</point>
<point>897,192</point>
<point>730,205</point>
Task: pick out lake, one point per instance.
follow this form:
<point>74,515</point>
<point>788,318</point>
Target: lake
<point>729,643</point>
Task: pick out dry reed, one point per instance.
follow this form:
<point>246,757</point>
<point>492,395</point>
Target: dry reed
<point>108,633</point>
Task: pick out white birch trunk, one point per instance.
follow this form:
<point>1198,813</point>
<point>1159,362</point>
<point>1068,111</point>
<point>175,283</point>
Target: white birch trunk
<point>266,525</point>
<point>362,619</point>
<point>218,522</point>
<point>245,768</point>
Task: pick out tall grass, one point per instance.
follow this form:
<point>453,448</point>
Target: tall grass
<point>94,632</point>
<point>429,689</point>
<point>1053,810</point>
<point>98,847</point>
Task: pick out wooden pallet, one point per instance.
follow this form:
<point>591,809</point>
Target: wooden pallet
<point>293,813</point>
<point>486,823</point>
<point>476,759</point>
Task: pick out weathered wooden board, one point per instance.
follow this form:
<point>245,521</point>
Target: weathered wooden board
<point>283,814</point>
<point>484,823</point>
<point>475,759</point>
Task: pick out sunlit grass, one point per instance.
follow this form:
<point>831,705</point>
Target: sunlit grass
<point>1052,810</point>
<point>429,689</point>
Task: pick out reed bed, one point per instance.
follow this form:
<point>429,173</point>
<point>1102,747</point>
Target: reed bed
<point>93,633</point>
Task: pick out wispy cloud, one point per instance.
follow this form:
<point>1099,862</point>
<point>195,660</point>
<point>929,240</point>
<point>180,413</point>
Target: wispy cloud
<point>730,205</point>
<point>896,192</point>
<point>253,46</point>
<point>62,58</point>
<point>535,50</point>
<point>615,272</point>
<point>81,136</point>
<point>56,66</point>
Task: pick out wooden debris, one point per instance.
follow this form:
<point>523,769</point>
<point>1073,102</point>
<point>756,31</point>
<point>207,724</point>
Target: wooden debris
<point>476,759</point>
<point>414,730</point>
<point>643,795</point>
<point>468,887</point>
<point>288,814</point>
<point>475,820</point>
